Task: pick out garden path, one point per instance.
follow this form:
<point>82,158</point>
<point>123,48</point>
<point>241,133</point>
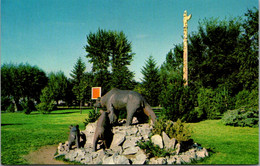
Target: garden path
<point>44,155</point>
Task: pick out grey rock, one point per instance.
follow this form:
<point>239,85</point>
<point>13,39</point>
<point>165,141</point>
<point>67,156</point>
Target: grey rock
<point>178,160</point>
<point>120,159</point>
<point>140,157</point>
<point>117,149</point>
<point>90,128</point>
<point>171,160</point>
<point>87,160</point>
<point>157,140</point>
<point>80,154</point>
<point>89,138</point>
<point>144,130</point>
<point>131,131</point>
<point>185,158</point>
<point>131,150</point>
<point>178,148</point>
<point>118,140</point>
<point>159,160</point>
<point>96,161</point>
<point>168,143</point>
<point>130,141</point>
<point>202,153</point>
<point>134,121</point>
<point>108,160</point>
<point>88,145</point>
<point>71,155</point>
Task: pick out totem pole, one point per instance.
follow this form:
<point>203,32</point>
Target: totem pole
<point>185,47</point>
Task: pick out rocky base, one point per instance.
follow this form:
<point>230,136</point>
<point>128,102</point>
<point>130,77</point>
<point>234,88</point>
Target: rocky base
<point>124,149</point>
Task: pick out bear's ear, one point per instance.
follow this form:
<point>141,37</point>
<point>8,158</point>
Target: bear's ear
<point>101,111</point>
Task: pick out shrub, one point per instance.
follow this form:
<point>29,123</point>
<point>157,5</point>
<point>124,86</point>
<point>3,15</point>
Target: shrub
<point>92,117</point>
<point>213,103</point>
<point>178,101</point>
<point>243,116</point>
<point>178,130</point>
<point>182,132</point>
<point>10,108</point>
<point>154,150</point>
<point>46,105</point>
<point>163,124</point>
<point>5,103</point>
<point>28,106</point>
<point>45,108</point>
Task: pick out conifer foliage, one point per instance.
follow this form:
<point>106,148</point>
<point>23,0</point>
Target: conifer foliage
<point>150,82</point>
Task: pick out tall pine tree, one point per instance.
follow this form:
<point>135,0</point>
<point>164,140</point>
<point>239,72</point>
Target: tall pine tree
<point>79,81</point>
<point>150,82</point>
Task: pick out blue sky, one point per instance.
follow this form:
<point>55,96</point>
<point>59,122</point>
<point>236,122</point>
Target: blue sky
<point>52,33</point>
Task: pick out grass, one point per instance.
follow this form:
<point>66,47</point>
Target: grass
<point>228,145</point>
<point>22,133</point>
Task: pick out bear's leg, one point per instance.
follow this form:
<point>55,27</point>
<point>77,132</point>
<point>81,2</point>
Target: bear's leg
<point>130,114</point>
<point>95,141</point>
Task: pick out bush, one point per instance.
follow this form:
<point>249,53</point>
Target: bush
<point>28,106</point>
<point>5,103</point>
<point>182,132</point>
<point>154,150</point>
<point>243,116</point>
<point>46,105</point>
<point>178,101</point>
<point>45,108</point>
<point>212,104</point>
<point>10,108</point>
<point>178,130</point>
<point>92,117</point>
<point>163,124</point>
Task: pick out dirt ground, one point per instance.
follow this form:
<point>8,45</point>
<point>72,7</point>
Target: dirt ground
<point>43,156</point>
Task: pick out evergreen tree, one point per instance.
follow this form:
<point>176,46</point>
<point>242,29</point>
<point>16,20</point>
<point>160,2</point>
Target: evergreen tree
<point>248,50</point>
<point>150,82</point>
<point>79,81</point>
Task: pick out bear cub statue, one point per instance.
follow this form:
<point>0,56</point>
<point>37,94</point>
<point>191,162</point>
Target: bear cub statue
<point>74,136</point>
<point>103,131</point>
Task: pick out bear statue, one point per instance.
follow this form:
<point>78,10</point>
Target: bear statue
<point>103,130</point>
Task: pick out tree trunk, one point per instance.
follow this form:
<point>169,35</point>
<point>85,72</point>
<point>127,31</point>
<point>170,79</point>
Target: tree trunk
<point>80,103</point>
<point>17,105</point>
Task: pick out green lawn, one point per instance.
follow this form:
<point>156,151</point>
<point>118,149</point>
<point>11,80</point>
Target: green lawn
<point>229,145</point>
<point>22,133</point>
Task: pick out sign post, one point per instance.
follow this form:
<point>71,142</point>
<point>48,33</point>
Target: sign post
<point>95,93</point>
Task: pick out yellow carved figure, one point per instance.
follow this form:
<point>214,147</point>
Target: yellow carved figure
<point>186,19</point>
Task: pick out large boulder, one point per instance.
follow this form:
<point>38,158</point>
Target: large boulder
<point>168,143</point>
<point>157,140</point>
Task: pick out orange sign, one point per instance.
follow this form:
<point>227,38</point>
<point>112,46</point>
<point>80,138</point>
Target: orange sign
<point>96,92</point>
